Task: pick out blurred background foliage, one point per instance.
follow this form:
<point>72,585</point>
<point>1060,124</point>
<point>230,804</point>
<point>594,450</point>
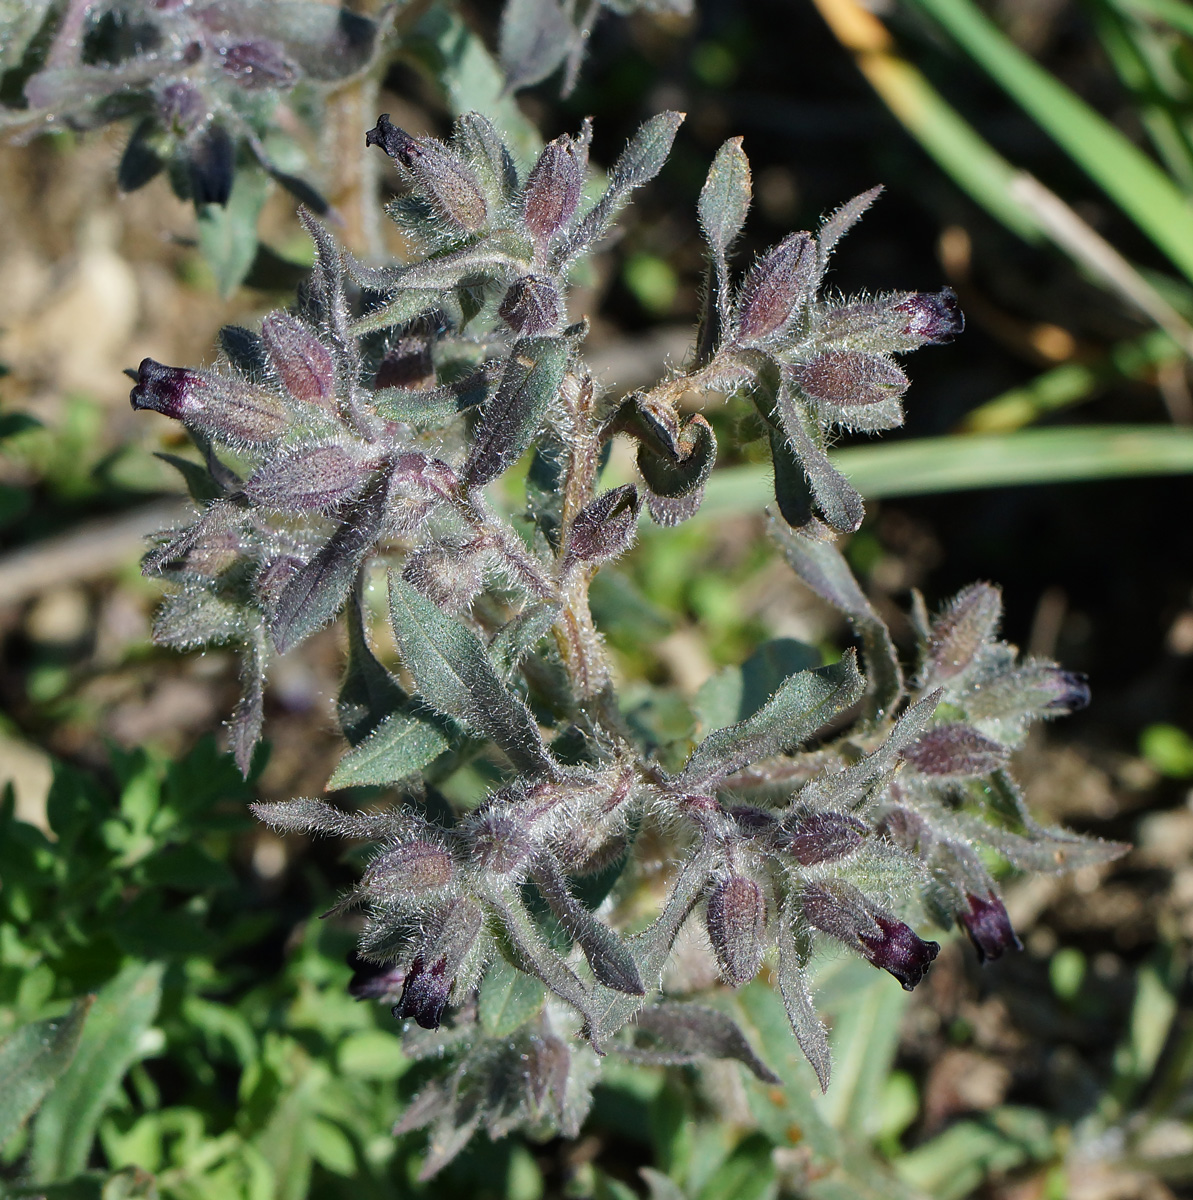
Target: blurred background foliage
<point>166,998</point>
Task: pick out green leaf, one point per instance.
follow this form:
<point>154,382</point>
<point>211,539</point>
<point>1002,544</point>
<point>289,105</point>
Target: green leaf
<point>111,1042</point>
<point>456,676</point>
<point>803,704</point>
<point>534,40</point>
<point>646,151</point>
<point>955,1162</point>
<point>747,1174</point>
<point>31,1060</point>
<point>518,637</point>
<point>508,998</point>
<point>228,234</point>
<point>397,748</point>
<point>196,476</point>
<point>511,419</point>
<point>763,673</point>
<point>369,693</point>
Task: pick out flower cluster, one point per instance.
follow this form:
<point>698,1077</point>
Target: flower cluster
<point>200,81</point>
<point>364,427</point>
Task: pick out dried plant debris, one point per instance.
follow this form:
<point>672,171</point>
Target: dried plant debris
<point>362,427</point>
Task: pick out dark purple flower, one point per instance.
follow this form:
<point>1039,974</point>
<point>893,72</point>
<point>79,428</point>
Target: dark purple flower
<point>1069,691</point>
<point>374,981</point>
<point>424,993</point>
<point>172,391</point>
<point>932,317</point>
<point>899,950</point>
<point>989,927</point>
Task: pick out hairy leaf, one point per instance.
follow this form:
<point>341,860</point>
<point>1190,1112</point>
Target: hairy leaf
<point>401,745</point>
<point>803,704</point>
<point>508,998</point>
<point>511,419</point>
<point>456,676</point>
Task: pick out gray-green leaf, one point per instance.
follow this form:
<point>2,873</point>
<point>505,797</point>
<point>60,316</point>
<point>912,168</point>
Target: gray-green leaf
<point>508,998</point>
<point>803,704</point>
<point>397,748</point>
<point>456,676</point>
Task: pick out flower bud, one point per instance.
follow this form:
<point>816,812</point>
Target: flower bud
<point>318,479</point>
<point>606,527</point>
<point>229,409</point>
<point>736,922</point>
<point>441,176</point>
<point>181,107</point>
<point>969,621</point>
<point>955,750</point>
<point>445,944</point>
<point>450,574</point>
<point>843,912</point>
<point>532,306</point>
<point>407,364</point>
<point>989,927</point>
<point>931,318</point>
<point>553,188</point>
<point>258,65</point>
<point>497,844</point>
<point>820,837</point>
<point>302,362</point>
<point>211,163</point>
<point>409,869</point>
<point>849,379</point>
<point>776,284</point>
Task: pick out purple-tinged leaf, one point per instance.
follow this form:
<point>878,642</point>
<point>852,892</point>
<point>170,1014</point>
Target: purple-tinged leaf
<point>836,498</point>
<point>725,198</point>
<point>411,867</point>
<point>967,623</point>
<point>534,40</point>
<point>814,557</point>
<point>257,65</point>
<point>609,957</point>
<point>248,718</point>
<point>675,483</point>
<point>840,221</point>
<point>955,751</point>
<point>318,590</point>
<point>797,1000</point>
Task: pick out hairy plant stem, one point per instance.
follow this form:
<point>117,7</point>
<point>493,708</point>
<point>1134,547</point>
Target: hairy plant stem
<point>580,644</point>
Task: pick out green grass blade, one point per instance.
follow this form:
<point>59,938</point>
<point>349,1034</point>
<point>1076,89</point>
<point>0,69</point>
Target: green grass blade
<point>1136,184</point>
<point>1175,12</point>
<point>1071,383</point>
<point>963,462</point>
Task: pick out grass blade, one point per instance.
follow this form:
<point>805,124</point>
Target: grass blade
<point>962,462</point>
<point>1128,176</point>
